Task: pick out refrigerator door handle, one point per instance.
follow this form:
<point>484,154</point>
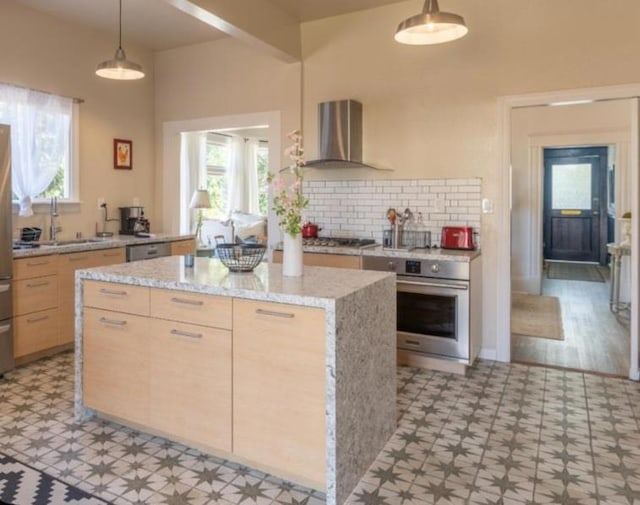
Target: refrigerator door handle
<point>5,328</point>
<point>5,277</point>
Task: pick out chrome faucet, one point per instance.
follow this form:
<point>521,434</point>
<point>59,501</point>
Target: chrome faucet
<point>53,214</point>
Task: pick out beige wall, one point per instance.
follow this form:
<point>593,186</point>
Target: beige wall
<point>41,52</point>
<point>532,129</point>
<point>429,111</point>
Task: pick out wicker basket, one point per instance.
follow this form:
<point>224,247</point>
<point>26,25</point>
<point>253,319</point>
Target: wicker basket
<point>240,257</point>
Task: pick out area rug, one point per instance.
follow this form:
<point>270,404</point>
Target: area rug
<point>21,484</point>
<point>536,316</point>
<point>575,272</point>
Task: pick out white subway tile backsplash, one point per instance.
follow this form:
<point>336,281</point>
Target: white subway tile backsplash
<point>358,208</point>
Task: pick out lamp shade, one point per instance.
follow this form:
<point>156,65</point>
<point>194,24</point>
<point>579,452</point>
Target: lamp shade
<point>120,68</point>
<point>431,26</point>
<point>200,199</point>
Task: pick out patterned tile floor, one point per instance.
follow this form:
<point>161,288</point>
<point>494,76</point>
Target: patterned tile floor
<point>505,434</point>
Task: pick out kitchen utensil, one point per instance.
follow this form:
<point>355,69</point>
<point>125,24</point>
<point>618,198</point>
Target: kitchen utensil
<point>392,215</point>
<point>310,230</point>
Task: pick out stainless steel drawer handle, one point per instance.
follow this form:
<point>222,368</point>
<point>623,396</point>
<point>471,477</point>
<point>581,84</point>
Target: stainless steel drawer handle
<point>37,284</point>
<point>106,291</point>
<point>412,342</point>
<point>80,258</point>
<point>274,313</point>
<point>5,328</point>
<point>181,333</point>
<point>4,288</point>
<point>113,322</point>
<point>187,302</point>
<point>110,255</point>
<point>38,264</point>
<point>37,319</point>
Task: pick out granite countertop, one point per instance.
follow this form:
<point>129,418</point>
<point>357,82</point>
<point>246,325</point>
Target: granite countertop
<point>318,287</point>
<point>97,244</point>
<point>378,250</point>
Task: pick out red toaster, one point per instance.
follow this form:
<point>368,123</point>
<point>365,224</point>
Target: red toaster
<point>457,237</point>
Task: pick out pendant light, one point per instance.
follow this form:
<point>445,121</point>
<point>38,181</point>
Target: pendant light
<point>431,26</point>
<point>119,67</point>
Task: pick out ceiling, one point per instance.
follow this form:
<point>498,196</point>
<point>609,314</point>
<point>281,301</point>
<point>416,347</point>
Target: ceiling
<point>158,26</point>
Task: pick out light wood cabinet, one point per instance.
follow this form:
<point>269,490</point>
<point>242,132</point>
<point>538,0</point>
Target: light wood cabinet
<point>325,260</point>
<point>117,297</point>
<point>279,387</point>
<point>67,266</point>
<point>35,305</point>
<point>194,308</point>
<point>183,247</point>
<point>35,332</point>
<point>190,382</point>
<point>116,364</point>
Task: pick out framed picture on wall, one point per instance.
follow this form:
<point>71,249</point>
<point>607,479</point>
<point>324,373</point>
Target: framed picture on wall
<point>122,154</point>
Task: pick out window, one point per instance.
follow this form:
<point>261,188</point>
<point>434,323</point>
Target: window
<point>43,131</point>
<point>219,156</point>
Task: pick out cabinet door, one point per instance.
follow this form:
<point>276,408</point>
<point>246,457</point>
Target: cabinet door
<point>34,295</point>
<point>325,260</point>
<point>38,266</point>
<point>190,383</point>
<point>35,332</point>
<point>183,247</point>
<point>116,364</point>
<point>67,266</point>
<point>279,387</point>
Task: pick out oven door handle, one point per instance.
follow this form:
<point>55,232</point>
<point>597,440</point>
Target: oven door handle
<point>435,285</point>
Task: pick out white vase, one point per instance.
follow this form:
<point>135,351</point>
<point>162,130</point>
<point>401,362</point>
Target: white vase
<point>292,255</point>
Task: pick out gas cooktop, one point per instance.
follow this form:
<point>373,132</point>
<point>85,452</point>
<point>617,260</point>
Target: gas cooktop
<point>339,242</point>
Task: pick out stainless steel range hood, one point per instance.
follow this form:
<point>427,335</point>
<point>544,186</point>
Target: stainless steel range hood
<point>339,135</point>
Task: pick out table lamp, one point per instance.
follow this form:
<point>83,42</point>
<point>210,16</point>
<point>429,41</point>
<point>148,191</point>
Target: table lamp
<point>200,200</point>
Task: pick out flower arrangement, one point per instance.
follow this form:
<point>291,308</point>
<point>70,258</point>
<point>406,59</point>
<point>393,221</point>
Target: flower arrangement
<point>288,200</point>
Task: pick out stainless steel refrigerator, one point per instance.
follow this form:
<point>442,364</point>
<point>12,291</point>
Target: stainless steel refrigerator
<point>6,253</point>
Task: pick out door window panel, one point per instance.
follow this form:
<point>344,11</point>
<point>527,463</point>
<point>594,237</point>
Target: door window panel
<point>571,186</point>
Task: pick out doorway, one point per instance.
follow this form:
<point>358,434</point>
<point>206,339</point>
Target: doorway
<point>527,229</point>
<point>575,204</point>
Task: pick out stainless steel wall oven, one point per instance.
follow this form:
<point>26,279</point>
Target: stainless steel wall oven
<point>433,305</point>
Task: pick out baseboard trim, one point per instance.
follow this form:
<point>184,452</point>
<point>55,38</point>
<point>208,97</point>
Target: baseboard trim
<point>490,354</point>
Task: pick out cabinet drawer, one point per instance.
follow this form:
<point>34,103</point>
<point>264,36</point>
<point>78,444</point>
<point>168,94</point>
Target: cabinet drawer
<point>35,332</point>
<point>115,364</point>
<point>196,308</point>
<point>183,247</point>
<point>190,382</point>
<point>33,295</point>
<point>38,266</point>
<point>117,297</point>
<point>109,257</point>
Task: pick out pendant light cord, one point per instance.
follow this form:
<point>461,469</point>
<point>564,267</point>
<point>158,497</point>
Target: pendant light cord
<point>120,28</point>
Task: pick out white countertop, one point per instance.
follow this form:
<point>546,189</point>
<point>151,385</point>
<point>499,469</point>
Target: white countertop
<point>318,287</point>
<point>97,244</point>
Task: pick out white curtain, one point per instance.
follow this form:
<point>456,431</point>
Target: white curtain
<point>242,177</point>
<point>193,169</point>
<point>40,132</point>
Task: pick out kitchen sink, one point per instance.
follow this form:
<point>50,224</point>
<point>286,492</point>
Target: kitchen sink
<point>73,241</point>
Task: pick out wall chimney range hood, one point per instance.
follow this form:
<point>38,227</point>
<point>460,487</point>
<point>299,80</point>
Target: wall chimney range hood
<point>339,135</point>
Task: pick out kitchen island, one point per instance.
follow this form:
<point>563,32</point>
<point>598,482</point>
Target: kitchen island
<point>293,376</point>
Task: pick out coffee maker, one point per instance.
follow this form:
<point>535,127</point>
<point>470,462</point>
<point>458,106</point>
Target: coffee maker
<point>132,221</point>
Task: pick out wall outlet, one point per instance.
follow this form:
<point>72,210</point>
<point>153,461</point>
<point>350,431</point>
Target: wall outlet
<point>487,206</point>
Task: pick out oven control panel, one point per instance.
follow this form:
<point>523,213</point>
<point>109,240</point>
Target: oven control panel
<point>439,269</point>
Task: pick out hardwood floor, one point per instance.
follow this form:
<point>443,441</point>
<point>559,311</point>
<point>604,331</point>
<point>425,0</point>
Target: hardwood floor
<point>595,340</point>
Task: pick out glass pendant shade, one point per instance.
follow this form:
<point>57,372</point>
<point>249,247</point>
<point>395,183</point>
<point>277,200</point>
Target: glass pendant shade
<point>431,26</point>
<point>119,67</point>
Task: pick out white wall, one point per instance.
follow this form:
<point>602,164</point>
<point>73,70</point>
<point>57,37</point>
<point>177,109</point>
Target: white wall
<point>429,111</point>
<point>42,52</point>
<point>534,128</point>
